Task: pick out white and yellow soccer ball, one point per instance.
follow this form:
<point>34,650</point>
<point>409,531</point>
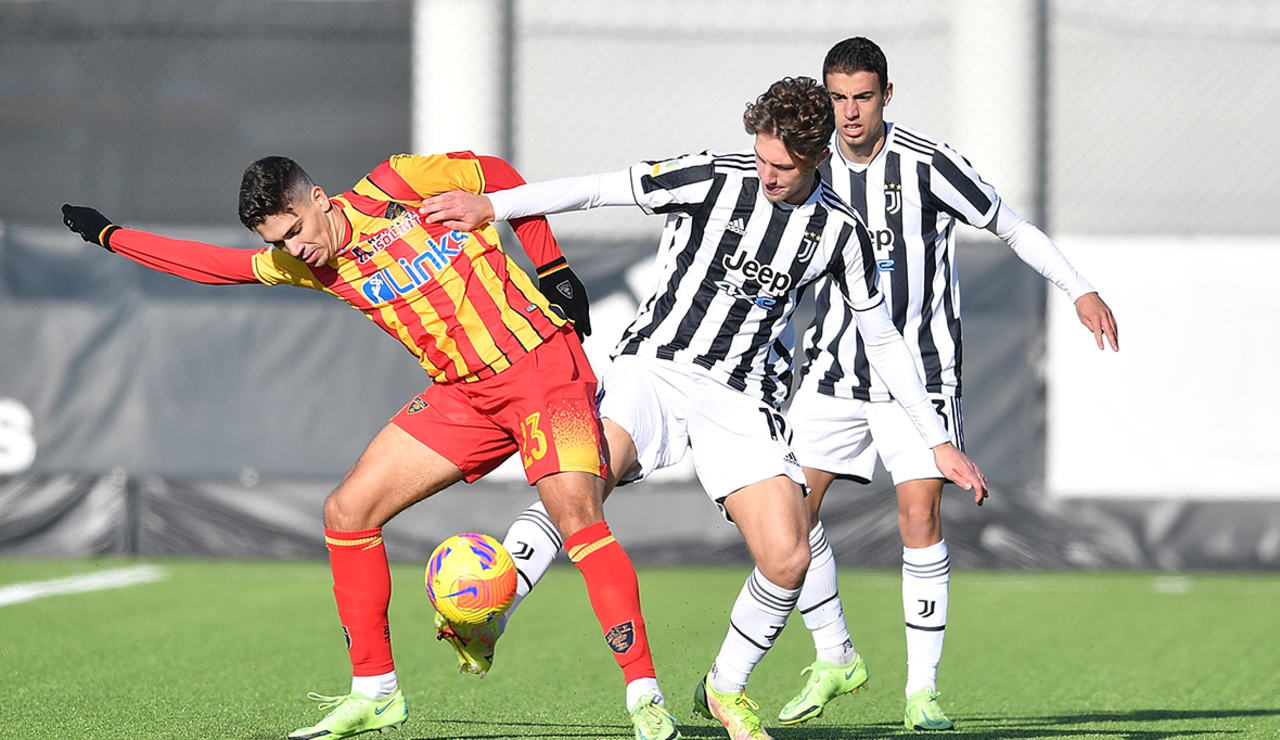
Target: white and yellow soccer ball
<point>471,578</point>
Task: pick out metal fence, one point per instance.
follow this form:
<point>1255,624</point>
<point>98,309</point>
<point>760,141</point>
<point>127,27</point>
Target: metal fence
<point>1098,118</point>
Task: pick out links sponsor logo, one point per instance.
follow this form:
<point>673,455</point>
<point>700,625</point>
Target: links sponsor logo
<point>383,286</point>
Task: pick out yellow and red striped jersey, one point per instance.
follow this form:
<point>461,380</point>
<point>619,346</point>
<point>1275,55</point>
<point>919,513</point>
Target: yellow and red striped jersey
<point>455,299</point>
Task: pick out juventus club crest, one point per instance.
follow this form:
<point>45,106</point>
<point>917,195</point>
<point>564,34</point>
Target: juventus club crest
<point>892,197</point>
<point>809,245</point>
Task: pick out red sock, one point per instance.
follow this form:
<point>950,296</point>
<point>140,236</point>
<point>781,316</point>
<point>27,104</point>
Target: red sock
<point>362,587</point>
<point>615,597</point>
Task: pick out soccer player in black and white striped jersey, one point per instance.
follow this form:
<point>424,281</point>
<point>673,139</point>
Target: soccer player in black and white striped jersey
<point>698,367</point>
<point>911,191</point>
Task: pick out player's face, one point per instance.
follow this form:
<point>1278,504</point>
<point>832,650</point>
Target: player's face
<point>859,106</point>
<point>304,230</point>
<point>781,177</point>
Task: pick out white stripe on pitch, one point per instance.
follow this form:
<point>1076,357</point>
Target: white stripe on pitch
<point>116,578</point>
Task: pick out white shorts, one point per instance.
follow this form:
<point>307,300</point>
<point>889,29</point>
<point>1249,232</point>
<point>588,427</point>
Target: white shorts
<point>844,435</point>
<point>668,408</point>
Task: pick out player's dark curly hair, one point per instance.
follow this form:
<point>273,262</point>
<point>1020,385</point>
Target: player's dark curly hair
<point>268,187</point>
<point>858,54</point>
<point>798,111</point>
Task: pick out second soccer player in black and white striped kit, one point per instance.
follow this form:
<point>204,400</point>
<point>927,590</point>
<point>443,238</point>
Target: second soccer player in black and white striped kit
<point>911,191</point>
<point>699,366</point>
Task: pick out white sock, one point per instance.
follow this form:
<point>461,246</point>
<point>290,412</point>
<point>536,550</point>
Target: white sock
<point>926,571</point>
<point>819,603</point>
<point>637,689</point>
<point>755,622</point>
<point>533,543</point>
<point>375,687</point>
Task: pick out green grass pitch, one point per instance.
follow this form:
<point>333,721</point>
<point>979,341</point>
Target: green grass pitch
<point>229,650</point>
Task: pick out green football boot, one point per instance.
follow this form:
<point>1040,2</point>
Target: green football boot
<point>735,711</point>
<point>652,720</point>
<point>826,682</point>
<point>353,714</point>
<point>473,643</point>
<point>923,712</point>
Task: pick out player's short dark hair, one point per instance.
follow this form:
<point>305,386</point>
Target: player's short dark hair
<point>858,54</point>
<point>797,110</point>
<point>268,187</point>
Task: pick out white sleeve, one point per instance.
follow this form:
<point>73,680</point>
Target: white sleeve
<point>674,185</point>
<point>853,265</point>
<point>888,354</point>
<point>956,187</point>
<point>1036,249</point>
<point>564,194</point>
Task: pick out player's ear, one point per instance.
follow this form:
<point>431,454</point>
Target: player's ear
<point>888,92</point>
<point>320,199</point>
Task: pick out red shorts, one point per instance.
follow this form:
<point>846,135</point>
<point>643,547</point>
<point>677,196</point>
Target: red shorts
<point>544,405</point>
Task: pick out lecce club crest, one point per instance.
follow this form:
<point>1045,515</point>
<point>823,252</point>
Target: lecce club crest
<point>621,637</point>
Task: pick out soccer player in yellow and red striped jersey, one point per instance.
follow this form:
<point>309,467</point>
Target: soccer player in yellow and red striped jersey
<point>509,375</point>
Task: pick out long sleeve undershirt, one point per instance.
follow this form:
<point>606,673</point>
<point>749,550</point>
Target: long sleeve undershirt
<point>889,355</point>
<point>564,194</point>
<point>1036,249</point>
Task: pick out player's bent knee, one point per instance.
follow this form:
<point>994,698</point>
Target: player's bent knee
<point>342,512</point>
<point>921,530</point>
<point>786,567</point>
<point>921,516</point>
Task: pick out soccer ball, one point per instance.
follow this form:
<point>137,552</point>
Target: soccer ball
<point>471,578</point>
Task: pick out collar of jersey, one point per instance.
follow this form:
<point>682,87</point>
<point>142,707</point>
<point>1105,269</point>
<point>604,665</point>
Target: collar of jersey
<point>855,166</point>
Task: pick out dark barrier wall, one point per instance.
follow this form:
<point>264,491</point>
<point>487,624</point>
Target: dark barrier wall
<point>170,418</point>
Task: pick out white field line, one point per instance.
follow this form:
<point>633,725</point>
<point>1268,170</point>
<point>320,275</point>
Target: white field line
<point>115,578</point>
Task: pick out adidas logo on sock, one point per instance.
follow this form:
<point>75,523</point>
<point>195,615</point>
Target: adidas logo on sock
<point>738,226</point>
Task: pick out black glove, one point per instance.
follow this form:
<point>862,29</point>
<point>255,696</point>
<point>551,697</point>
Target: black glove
<point>566,292</point>
<point>91,225</point>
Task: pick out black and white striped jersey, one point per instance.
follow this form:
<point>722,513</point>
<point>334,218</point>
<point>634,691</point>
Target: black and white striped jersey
<point>731,265</point>
<point>910,197</point>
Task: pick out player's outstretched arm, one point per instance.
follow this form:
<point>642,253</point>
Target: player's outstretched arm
<point>557,281</point>
<point>1035,248</point>
<point>458,210</point>
<point>468,211</point>
<point>89,224</point>
<point>195,261</point>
